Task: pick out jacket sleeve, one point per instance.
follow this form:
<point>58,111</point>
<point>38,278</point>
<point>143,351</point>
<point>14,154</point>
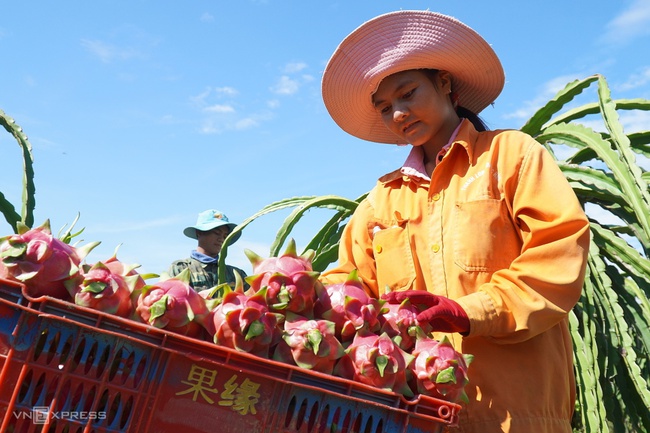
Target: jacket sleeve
<point>542,284</point>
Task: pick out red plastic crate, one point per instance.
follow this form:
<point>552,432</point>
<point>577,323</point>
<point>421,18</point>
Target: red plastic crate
<point>65,368</point>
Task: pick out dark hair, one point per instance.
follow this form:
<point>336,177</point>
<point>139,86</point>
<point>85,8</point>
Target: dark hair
<point>478,123</point>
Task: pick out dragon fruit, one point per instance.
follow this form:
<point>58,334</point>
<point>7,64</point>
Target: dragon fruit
<point>244,322</point>
<point>174,305</point>
<point>4,272</point>
<point>289,279</point>
<point>348,306</point>
<point>135,279</point>
<point>400,322</point>
<point>439,370</point>
<point>42,262</point>
<point>103,290</point>
<point>378,361</point>
<point>309,344</point>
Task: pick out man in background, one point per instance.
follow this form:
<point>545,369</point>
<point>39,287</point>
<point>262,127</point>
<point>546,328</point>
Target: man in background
<point>211,229</point>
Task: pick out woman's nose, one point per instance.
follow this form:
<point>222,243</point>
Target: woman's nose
<point>399,114</point>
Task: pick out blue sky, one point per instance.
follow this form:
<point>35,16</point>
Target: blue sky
<point>142,113</point>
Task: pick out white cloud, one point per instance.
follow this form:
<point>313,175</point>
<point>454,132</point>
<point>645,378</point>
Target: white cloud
<point>630,24</point>
<point>201,97</point>
<point>219,108</point>
<point>207,17</point>
<point>285,86</point>
<point>293,67</point>
<point>547,91</point>
<point>217,118</point>
<point>635,120</point>
<point>107,52</point>
<point>636,80</point>
<point>226,90</point>
<point>247,123</point>
<point>201,100</point>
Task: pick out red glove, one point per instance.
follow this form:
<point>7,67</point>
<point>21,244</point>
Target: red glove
<point>442,313</point>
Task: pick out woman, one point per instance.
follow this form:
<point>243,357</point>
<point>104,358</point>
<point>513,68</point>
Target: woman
<point>478,227</point>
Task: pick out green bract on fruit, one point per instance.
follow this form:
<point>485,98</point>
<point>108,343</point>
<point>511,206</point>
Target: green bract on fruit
<point>309,343</point>
<point>289,280</point>
<point>43,263</point>
<point>439,370</point>
<point>174,305</point>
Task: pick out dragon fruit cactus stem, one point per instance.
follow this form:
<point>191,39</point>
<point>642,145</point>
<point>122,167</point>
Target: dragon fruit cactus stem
<point>289,278</point>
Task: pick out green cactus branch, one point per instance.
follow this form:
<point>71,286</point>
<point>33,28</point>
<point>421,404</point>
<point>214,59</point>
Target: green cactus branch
<point>26,215</point>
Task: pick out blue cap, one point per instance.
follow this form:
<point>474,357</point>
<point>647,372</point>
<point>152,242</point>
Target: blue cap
<point>208,220</point>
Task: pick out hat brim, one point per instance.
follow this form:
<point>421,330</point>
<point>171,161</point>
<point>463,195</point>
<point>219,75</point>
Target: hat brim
<point>401,41</point>
<point>190,232</point>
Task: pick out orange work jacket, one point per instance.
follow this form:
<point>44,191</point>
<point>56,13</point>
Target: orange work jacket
<point>498,229</point>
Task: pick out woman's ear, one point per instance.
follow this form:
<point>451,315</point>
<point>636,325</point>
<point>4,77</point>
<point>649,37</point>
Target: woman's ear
<point>444,81</point>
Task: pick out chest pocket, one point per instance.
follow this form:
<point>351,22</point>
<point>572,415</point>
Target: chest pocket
<point>393,258</point>
<point>485,238</point>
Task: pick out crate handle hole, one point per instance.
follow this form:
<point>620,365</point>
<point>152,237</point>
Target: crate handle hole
<point>313,417</point>
<point>102,362</point>
<point>323,424</point>
<point>290,410</point>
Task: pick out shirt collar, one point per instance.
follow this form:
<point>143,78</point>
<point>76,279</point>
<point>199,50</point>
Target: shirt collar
<point>414,164</point>
<point>203,258</point>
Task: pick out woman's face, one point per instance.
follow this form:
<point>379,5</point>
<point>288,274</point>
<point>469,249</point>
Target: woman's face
<point>416,106</point>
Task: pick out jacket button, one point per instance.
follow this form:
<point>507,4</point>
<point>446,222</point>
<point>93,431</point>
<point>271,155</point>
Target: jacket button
<point>378,248</point>
<point>436,197</point>
<point>435,248</point>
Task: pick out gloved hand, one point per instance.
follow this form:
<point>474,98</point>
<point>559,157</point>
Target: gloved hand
<point>442,313</point>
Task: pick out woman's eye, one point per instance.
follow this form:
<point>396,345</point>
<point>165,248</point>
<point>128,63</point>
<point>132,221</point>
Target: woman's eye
<point>384,110</point>
<point>408,94</point>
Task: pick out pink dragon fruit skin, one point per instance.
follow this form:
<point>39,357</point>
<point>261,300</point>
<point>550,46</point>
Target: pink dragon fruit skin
<point>378,361</point>
<point>439,370</point>
<point>309,343</point>
<point>245,323</point>
<point>42,262</point>
<point>104,290</point>
<point>289,279</point>
<point>4,272</point>
<point>349,307</point>
<point>400,322</point>
<point>172,304</point>
<point>135,280</point>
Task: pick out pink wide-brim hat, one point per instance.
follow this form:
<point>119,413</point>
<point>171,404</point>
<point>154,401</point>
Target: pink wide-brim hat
<point>400,41</point>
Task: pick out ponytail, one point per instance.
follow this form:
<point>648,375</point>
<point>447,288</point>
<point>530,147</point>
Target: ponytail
<point>478,123</point>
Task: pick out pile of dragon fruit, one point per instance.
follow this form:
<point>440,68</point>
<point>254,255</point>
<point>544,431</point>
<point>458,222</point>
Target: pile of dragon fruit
<point>287,314</point>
